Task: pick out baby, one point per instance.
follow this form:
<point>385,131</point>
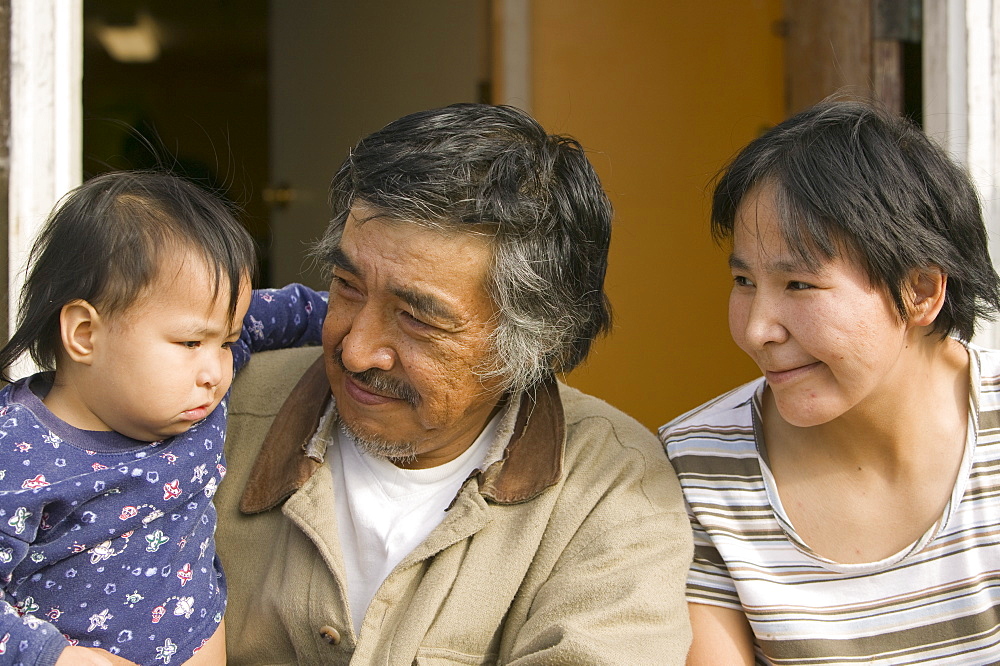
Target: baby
<point>137,294</point>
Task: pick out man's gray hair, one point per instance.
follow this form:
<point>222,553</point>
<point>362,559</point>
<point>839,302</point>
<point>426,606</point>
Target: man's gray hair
<point>493,170</point>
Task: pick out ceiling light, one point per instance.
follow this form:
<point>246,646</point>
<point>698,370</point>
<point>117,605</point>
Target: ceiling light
<point>136,43</point>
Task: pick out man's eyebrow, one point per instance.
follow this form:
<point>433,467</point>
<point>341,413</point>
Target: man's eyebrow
<point>340,260</point>
<point>428,305</point>
<point>420,301</point>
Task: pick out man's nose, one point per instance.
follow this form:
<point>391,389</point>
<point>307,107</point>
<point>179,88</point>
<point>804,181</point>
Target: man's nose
<point>367,343</point>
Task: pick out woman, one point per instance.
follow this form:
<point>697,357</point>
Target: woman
<point>846,505</point>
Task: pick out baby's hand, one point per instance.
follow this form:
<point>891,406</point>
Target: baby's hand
<point>81,656</point>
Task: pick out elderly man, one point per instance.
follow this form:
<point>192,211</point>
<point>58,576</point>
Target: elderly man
<point>425,491</point>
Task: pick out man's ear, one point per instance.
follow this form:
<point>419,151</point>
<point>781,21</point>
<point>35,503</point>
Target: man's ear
<point>927,293</point>
<point>78,321</point>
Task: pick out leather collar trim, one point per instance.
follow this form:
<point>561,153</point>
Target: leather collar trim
<point>531,462</point>
<point>533,459</point>
<point>282,467</point>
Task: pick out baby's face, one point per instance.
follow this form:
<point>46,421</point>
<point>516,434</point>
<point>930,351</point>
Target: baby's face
<point>166,363</point>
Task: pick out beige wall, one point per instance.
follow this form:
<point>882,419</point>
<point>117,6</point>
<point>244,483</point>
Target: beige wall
<point>661,94</point>
<point>341,70</point>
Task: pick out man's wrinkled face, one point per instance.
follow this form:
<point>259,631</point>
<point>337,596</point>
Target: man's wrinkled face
<point>408,327</point>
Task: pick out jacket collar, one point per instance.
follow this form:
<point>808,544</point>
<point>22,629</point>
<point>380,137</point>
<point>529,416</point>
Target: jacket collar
<point>531,462</point>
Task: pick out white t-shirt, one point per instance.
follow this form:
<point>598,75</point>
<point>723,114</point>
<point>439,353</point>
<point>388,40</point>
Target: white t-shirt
<point>384,512</point>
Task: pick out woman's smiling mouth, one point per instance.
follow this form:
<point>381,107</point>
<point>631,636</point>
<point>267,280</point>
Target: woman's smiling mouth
<point>791,374</point>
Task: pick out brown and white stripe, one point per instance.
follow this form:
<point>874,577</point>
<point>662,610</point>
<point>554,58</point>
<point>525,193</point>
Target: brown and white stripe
<point>936,602</point>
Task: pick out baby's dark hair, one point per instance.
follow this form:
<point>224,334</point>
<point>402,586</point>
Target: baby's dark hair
<point>104,243</point>
<point>848,175</point>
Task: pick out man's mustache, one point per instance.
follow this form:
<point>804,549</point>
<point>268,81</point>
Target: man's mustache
<point>380,382</point>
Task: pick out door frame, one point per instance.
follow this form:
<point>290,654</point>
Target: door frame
<point>45,145</point>
<point>45,63</point>
<point>962,102</point>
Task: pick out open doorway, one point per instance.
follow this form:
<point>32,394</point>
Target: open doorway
<point>260,100</point>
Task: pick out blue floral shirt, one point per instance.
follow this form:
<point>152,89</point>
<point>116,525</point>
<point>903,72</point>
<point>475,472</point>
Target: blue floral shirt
<point>107,541</point>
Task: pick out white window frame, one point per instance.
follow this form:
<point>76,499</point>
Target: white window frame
<point>962,102</point>
<point>46,80</point>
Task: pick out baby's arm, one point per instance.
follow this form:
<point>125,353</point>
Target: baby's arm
<point>81,656</point>
<point>27,637</point>
<point>280,318</point>
<point>42,642</point>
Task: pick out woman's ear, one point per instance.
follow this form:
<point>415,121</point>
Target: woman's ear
<point>927,293</point>
<point>77,323</point>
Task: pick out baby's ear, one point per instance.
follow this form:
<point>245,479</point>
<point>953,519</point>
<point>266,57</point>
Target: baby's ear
<point>77,323</point>
<point>927,293</point>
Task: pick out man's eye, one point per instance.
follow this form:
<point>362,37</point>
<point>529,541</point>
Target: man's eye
<point>741,281</point>
<point>414,321</point>
<point>191,344</point>
<point>343,285</point>
<point>795,285</point>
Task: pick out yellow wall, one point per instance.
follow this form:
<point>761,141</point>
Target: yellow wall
<point>661,94</point>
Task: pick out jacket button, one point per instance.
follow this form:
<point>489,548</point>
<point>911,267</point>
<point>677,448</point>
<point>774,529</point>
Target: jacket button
<point>330,635</point>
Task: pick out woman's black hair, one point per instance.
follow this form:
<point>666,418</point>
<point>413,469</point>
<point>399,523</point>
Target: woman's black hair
<point>847,175</point>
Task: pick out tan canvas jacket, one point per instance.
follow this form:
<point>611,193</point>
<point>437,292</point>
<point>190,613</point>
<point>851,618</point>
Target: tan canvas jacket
<point>573,549</point>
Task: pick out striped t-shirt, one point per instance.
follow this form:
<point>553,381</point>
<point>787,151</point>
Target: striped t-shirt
<point>936,602</point>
